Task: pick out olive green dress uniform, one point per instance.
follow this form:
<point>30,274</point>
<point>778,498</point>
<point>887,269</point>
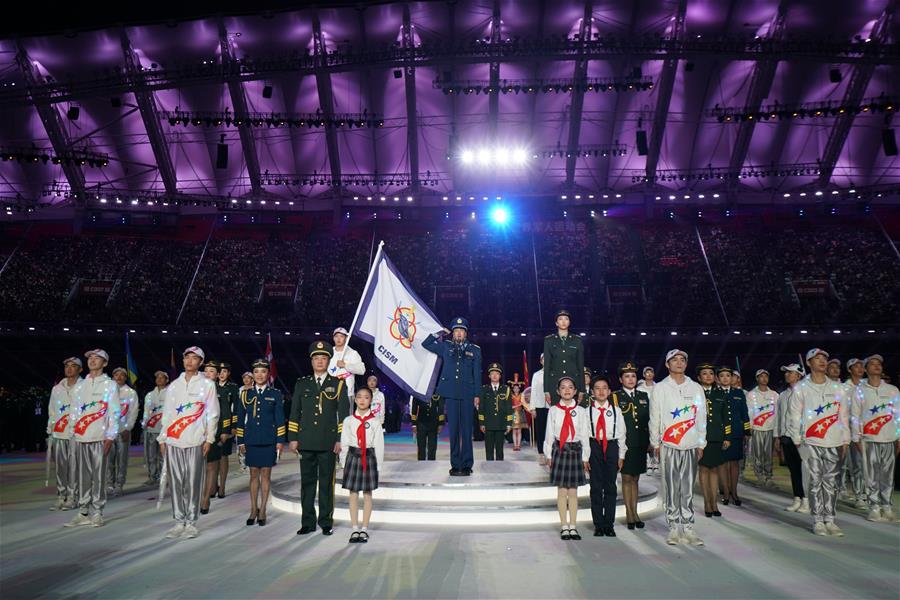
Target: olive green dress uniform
<point>224,426</point>
<point>495,414</point>
<point>563,356</point>
<point>317,415</point>
<point>635,407</point>
<point>718,427</point>
<point>428,417</point>
<point>229,395</point>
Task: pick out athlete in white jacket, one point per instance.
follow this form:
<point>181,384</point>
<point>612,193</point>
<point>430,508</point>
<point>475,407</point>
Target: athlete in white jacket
<point>154,403</point>
<point>118,454</point>
<point>59,428</point>
<point>761,406</point>
<point>345,363</point>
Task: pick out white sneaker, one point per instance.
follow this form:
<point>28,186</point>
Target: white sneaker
<point>97,520</point>
<point>69,505</point>
<point>874,515</point>
<point>804,506</point>
<point>77,520</point>
<point>673,538</point>
<point>691,538</point>
<point>58,505</point>
<point>795,506</point>
<point>819,529</point>
<point>887,514</point>
<point>861,503</point>
<point>190,531</point>
<point>175,531</point>
<point>833,529</point>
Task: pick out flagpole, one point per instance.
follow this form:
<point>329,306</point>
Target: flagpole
<point>364,294</point>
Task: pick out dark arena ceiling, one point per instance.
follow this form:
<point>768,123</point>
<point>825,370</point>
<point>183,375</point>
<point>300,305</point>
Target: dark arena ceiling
<point>315,107</point>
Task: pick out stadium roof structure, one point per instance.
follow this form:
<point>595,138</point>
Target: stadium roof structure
<point>314,106</point>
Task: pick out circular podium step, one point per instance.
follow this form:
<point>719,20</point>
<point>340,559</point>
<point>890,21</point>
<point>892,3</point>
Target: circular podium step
<point>508,493</point>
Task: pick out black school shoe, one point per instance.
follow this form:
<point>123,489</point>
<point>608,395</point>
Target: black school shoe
<point>639,524</point>
<point>630,526</point>
<point>354,537</point>
<point>609,532</point>
<point>327,531</point>
<point>466,472</point>
<point>565,534</point>
<point>304,530</point>
<point>574,535</point>
<point>455,472</point>
<point>598,532</point>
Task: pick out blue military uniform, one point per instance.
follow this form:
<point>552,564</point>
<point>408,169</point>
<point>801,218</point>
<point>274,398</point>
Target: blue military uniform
<point>459,383</point>
<point>260,424</point>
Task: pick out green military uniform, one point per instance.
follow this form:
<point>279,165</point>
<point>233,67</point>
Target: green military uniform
<point>427,417</point>
<point>635,407</point>
<point>229,395</point>
<point>718,422</point>
<point>223,427</point>
<point>495,415</point>
<point>563,356</point>
<point>317,413</point>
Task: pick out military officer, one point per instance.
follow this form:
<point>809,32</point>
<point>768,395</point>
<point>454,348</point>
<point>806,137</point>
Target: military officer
<point>427,420</point>
<point>635,407</point>
<point>563,356</point>
<point>318,409</point>
<point>229,395</point>
<point>223,434</point>
<point>458,386</point>
<point>495,413</point>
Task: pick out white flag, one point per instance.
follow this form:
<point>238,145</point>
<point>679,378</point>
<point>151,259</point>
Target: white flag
<point>396,321</point>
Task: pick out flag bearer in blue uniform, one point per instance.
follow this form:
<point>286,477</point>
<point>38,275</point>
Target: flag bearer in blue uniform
<point>261,433</point>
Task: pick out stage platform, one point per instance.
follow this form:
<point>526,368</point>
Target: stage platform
<point>513,492</point>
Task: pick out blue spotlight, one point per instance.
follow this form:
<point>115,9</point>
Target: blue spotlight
<point>500,215</point>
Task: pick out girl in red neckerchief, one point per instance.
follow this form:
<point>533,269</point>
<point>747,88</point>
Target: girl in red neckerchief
<point>362,451</point>
<point>568,432</point>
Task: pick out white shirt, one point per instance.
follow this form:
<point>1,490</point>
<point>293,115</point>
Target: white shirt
<point>62,398</point>
<point>556,417</point>
<point>95,414</point>
<point>154,402</point>
<point>191,412</point>
<point>378,405</point>
<point>678,414</point>
<point>353,364</point>
<point>615,424</point>
<point>819,414</point>
<point>128,401</point>
<point>761,406</point>
<point>878,409</point>
<point>537,399</point>
<point>374,437</point>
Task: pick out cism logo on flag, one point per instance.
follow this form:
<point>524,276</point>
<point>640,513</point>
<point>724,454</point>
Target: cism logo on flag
<point>403,326</point>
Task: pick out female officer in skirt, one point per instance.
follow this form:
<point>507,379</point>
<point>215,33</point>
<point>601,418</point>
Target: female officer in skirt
<point>740,427</point>
<point>635,407</point>
<point>362,451</point>
<point>718,429</point>
<point>223,434</point>
<point>261,432</point>
<point>568,434</point>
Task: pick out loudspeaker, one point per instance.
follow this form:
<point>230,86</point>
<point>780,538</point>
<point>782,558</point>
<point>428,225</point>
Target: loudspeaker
<point>398,73</point>
<point>115,102</point>
<point>221,156</point>
<point>641,142</point>
<point>889,142</point>
<point>834,76</point>
<point>267,91</point>
<point>73,113</point>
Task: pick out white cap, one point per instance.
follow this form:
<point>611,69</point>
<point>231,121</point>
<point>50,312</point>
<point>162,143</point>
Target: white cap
<point>647,368</point>
<point>760,372</point>
<point>247,374</point>
<point>338,330</point>
<point>673,353</point>
<point>836,361</point>
<point>814,352</point>
<point>852,362</point>
<point>97,352</point>
<point>793,367</point>
<point>736,372</point>
<point>117,369</point>
<point>73,359</point>
<point>163,373</point>
<point>194,350</point>
<point>877,357</point>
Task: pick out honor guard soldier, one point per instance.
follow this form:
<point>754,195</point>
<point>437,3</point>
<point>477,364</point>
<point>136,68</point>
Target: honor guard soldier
<point>427,420</point>
<point>495,413</point>
<point>261,432</point>
<point>59,428</point>
<point>635,407</point>
<point>563,357</point>
<point>458,386</point>
<point>318,409</point>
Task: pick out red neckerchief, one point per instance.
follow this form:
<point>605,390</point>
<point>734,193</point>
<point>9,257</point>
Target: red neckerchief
<point>568,427</point>
<point>601,427</point>
<point>361,435</point>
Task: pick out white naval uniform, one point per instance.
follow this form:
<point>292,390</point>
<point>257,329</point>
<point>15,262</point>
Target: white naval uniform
<point>876,423</point>
<point>190,417</point>
<point>151,423</point>
<point>353,364</point>
<point>762,407</point>
<point>819,424</point>
<point>678,428</point>
<point>95,419</point>
<point>118,454</point>
<point>59,428</point>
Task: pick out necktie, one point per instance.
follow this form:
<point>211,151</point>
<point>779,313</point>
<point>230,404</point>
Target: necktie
<point>495,389</point>
<point>361,436</point>
<point>319,381</point>
<point>259,391</point>
<point>568,426</point>
<point>601,430</point>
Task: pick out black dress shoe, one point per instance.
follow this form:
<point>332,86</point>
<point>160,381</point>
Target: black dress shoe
<point>204,511</point>
<point>639,524</point>
<point>716,513</point>
<point>708,515</point>
<point>724,501</point>
<point>252,520</point>
<point>220,495</point>
<point>631,526</point>
<point>327,531</point>
<point>455,472</point>
<point>304,530</point>
<point>609,532</point>
<point>466,472</point>
<point>598,532</point>
<point>737,501</point>
<point>261,522</point>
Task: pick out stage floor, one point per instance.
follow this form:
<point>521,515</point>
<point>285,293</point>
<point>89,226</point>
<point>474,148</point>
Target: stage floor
<point>756,551</point>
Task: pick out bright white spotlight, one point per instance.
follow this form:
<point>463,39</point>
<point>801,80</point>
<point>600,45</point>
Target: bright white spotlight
<point>484,157</point>
<point>500,215</point>
<point>501,156</point>
<point>467,157</point>
<point>520,156</point>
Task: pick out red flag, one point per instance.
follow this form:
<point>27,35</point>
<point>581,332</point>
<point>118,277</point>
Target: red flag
<point>525,368</point>
<point>273,372</point>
